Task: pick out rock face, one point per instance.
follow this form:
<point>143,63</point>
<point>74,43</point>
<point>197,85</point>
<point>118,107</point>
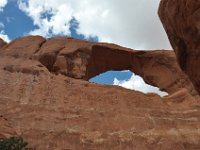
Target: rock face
<point>181,20</point>
<point>45,97</point>
<point>2,43</point>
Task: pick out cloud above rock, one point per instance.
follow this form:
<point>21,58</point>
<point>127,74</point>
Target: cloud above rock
<point>130,23</point>
<point>3,36</point>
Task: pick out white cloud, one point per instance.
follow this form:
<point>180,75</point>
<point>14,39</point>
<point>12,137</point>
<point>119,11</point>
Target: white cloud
<point>2,33</point>
<point>60,15</point>
<point>2,4</point>
<point>138,84</point>
<point>130,23</point>
<point>4,36</point>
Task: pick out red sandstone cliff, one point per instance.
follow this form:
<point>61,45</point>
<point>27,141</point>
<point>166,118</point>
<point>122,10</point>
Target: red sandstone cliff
<point>45,97</point>
<point>181,20</point>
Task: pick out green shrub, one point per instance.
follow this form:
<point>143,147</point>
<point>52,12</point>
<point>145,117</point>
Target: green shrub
<point>13,143</point>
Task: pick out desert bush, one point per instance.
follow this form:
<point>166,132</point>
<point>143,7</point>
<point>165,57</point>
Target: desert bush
<point>14,143</point>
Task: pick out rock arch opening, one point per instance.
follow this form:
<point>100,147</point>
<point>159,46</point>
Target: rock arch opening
<point>128,80</point>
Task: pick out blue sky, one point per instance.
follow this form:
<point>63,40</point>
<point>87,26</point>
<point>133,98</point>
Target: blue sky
<point>130,23</point>
<point>16,22</point>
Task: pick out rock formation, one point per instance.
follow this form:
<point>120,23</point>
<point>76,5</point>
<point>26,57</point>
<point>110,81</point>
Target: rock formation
<point>2,43</point>
<point>84,60</point>
<point>181,20</point>
<point>46,97</point>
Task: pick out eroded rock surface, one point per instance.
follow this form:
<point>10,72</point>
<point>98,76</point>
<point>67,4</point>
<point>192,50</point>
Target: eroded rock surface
<point>45,97</point>
<point>2,43</point>
<point>181,20</point>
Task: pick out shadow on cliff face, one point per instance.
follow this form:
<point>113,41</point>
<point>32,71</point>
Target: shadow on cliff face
<point>127,79</point>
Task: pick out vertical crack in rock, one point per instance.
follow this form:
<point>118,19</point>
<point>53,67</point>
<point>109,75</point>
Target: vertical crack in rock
<point>39,46</point>
<point>182,55</point>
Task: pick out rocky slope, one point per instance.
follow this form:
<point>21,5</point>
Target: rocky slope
<point>45,97</point>
<point>181,20</point>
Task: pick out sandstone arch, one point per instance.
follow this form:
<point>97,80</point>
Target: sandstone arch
<point>82,60</point>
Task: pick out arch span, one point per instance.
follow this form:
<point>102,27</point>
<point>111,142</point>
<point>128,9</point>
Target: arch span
<point>83,60</point>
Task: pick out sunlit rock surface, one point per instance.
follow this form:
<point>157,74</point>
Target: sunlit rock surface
<point>45,97</point>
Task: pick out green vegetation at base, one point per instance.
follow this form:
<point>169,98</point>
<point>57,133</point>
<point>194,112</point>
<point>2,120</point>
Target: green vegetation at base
<point>14,143</point>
